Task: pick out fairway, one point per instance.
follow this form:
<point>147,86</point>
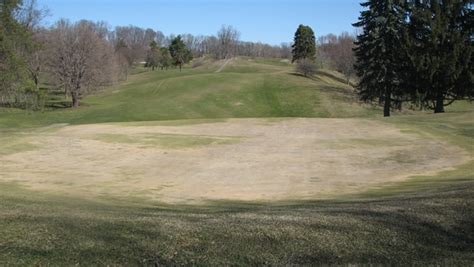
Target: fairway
<point>144,134</point>
<point>236,159</point>
<point>252,165</point>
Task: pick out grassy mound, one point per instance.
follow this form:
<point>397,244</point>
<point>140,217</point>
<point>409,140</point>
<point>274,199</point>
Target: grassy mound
<point>244,89</point>
<point>425,220</point>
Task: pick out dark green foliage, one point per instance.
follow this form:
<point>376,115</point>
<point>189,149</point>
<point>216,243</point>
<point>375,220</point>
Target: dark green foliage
<point>380,52</point>
<point>441,52</point>
<point>304,46</point>
<point>15,44</point>
<point>416,50</point>
<point>179,52</point>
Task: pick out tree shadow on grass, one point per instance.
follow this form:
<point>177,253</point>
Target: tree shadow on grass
<point>333,77</point>
<point>424,228</point>
<point>321,73</point>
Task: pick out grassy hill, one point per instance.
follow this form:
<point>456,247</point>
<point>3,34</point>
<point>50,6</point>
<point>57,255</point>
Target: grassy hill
<point>424,220</point>
<point>244,89</point>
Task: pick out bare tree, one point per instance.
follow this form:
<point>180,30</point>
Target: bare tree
<point>210,46</point>
<point>160,39</point>
<point>31,14</point>
<point>37,57</point>
<point>228,38</point>
<point>122,65</point>
<point>285,50</point>
<point>306,67</point>
<point>337,53</point>
<point>80,60</point>
<point>346,60</point>
<point>149,36</point>
<point>133,42</point>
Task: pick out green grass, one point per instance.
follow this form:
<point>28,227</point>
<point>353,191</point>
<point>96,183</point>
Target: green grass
<point>237,92</point>
<point>421,221</point>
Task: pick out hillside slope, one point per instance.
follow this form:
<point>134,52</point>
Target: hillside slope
<point>243,89</point>
<point>101,194</point>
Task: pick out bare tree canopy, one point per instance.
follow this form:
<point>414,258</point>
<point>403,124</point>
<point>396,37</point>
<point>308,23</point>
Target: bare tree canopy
<point>336,52</point>
<point>228,38</point>
<point>79,58</point>
<point>30,14</point>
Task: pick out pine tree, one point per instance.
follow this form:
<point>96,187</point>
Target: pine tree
<point>179,52</point>
<point>441,52</point>
<point>380,52</point>
<point>15,43</point>
<point>304,46</point>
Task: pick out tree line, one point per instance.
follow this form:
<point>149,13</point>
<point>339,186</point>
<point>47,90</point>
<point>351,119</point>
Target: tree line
<point>408,51</point>
<point>80,57</point>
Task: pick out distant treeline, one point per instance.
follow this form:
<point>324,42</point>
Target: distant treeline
<point>78,57</point>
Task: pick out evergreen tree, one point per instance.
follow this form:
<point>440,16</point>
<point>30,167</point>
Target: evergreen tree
<point>15,43</point>
<point>304,46</point>
<point>179,52</point>
<point>441,52</point>
<point>380,52</point>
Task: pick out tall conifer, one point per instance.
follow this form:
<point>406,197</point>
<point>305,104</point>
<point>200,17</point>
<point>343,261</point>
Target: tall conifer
<point>304,46</point>
<point>441,52</point>
<point>380,52</point>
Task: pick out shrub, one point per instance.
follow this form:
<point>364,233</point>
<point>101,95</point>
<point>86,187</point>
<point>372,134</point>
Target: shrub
<point>306,67</point>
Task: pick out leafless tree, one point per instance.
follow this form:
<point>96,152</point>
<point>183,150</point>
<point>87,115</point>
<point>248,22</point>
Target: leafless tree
<point>228,38</point>
<point>122,65</point>
<point>210,46</point>
<point>160,39</point>
<point>150,36</point>
<point>31,14</point>
<point>37,57</point>
<point>80,60</point>
<point>285,50</point>
<point>132,42</point>
<point>255,50</point>
<point>306,67</point>
<point>336,52</point>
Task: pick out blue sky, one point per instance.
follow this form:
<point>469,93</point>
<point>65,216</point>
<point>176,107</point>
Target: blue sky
<point>269,21</point>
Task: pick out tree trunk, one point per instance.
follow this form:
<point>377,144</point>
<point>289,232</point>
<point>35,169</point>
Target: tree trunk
<point>36,81</point>
<point>180,66</point>
<point>387,104</point>
<point>75,100</point>
<point>439,107</point>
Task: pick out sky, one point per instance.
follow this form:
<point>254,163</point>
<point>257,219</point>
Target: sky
<point>267,21</point>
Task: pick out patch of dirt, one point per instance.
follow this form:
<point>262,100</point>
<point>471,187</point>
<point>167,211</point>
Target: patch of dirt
<point>272,160</point>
